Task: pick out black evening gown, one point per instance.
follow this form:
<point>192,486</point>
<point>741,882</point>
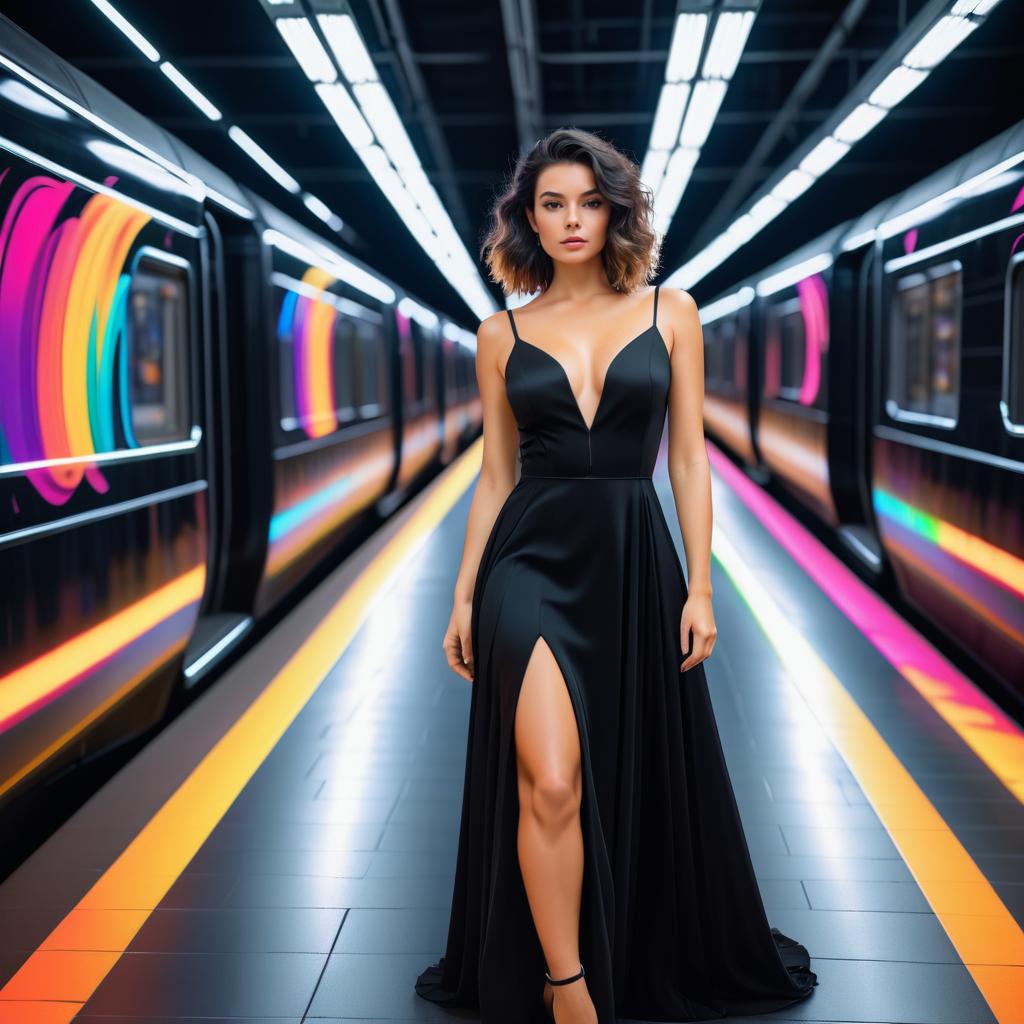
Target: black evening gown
<point>672,927</point>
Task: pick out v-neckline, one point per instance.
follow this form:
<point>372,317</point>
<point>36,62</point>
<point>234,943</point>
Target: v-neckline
<point>604,381</point>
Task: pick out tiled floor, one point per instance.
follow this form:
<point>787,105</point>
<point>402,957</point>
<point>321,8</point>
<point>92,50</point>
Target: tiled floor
<point>325,888</point>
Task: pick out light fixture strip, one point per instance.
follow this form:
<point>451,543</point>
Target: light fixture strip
<point>362,109</point>
<point>924,54</point>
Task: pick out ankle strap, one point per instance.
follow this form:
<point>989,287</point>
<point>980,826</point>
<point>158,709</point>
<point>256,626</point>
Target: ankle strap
<point>564,981</point>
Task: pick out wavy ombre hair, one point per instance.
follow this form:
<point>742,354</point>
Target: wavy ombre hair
<point>632,250</point>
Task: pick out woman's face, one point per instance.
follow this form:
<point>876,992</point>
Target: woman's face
<point>567,204</point>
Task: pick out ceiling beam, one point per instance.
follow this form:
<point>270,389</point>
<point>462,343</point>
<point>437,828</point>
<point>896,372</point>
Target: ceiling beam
<point>519,20</point>
<point>444,58</point>
<point>488,118</point>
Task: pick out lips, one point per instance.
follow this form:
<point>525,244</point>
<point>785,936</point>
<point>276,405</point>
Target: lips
<point>566,241</point>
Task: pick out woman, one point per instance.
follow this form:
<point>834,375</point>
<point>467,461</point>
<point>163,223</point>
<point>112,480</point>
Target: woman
<point>602,868</point>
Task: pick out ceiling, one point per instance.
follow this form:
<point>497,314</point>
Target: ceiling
<point>597,65</point>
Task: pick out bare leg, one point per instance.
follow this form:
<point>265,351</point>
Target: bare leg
<point>550,839</point>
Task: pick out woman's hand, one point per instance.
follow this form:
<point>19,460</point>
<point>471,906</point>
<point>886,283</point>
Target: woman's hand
<point>699,619</point>
<point>458,640</point>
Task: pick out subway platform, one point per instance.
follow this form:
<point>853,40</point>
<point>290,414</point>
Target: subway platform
<point>284,850</point>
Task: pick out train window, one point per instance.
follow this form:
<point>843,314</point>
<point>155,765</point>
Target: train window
<point>724,348</point>
<point>785,350</point>
<point>307,328</point>
<point>286,363</point>
<point>372,370</point>
<point>924,362</point>
<point>450,381</point>
<point>727,352</point>
<point>1013,370</point>
<point>712,355</point>
<point>419,347</point>
<point>158,338</point>
<point>345,367</point>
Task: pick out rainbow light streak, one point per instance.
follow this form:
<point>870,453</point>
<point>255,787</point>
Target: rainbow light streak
<point>289,519</point>
<point>814,309</point>
<point>296,529</point>
<point>980,723</point>
<point>63,311</point>
<point>42,680</point>
<point>978,554</point>
<point>308,323</point>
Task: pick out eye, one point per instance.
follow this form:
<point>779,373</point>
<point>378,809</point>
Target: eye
<point>554,202</point>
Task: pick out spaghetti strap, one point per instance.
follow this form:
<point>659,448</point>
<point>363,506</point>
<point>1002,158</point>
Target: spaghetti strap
<point>515,333</point>
<point>656,287</point>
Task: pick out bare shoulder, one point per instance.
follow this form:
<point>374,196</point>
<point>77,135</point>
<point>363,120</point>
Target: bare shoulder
<point>494,338</point>
<point>493,327</point>
<point>494,332</point>
<point>678,302</point>
<point>681,316</point>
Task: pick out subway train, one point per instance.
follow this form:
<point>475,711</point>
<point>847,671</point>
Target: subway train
<point>199,400</point>
<point>876,376</point>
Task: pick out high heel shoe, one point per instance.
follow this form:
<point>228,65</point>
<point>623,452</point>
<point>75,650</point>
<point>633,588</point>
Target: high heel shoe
<point>549,1004</point>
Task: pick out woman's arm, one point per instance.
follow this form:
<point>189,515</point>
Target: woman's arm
<point>688,467</point>
<point>500,438</point>
<point>497,478</point>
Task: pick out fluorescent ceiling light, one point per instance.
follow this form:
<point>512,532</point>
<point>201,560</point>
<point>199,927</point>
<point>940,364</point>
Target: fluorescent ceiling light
<point>792,185</point>
<point>767,208</point>
<point>654,167</point>
<point>895,87</point>
<point>727,42</point>
<point>373,128</point>
<point>190,91</point>
<point>308,50</point>
<point>677,174</point>
<point>388,181</point>
<point>687,107</point>
<point>684,51</point>
<point>700,115</point>
<point>669,115</point>
<point>386,124</point>
<point>858,122</point>
<point>824,155</point>
<point>128,29</point>
<point>935,45</point>
<point>317,207</point>
<point>348,48</point>
<point>426,196</point>
<point>264,159</point>
<point>743,229</point>
<point>346,114</point>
